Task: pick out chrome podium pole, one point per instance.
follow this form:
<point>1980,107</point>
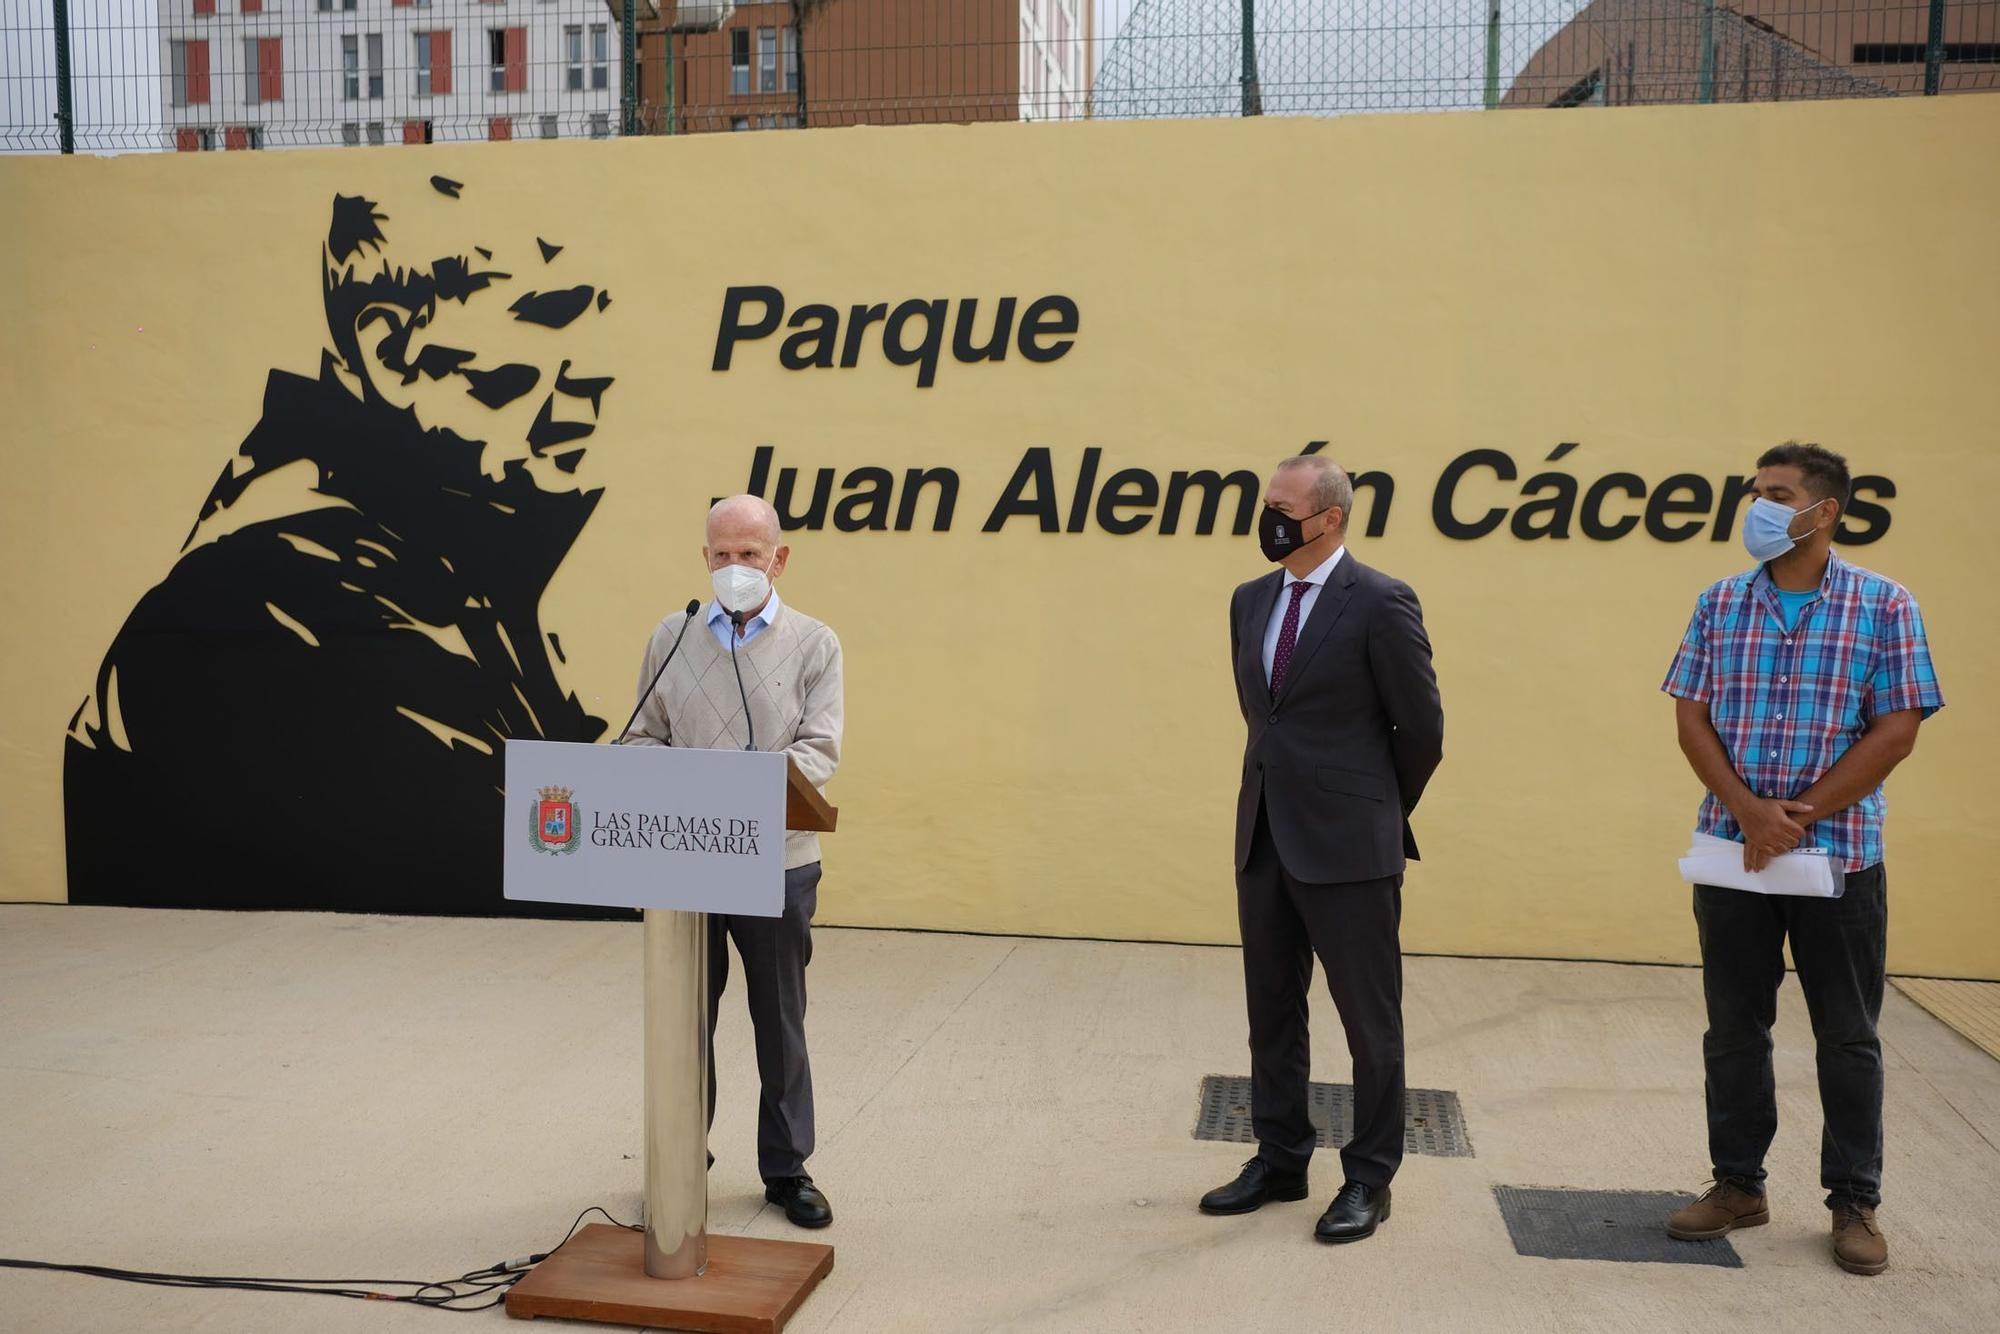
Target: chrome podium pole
<point>677,1076</point>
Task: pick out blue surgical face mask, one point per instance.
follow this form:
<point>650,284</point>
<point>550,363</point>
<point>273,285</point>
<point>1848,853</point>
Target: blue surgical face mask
<point>1767,528</point>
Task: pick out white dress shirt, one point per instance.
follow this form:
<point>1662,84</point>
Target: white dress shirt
<point>1318,580</point>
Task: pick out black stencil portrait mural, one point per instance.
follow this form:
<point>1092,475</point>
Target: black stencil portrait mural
<point>310,709</point>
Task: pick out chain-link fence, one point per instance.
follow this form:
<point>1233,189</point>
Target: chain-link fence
<point>133,75</point>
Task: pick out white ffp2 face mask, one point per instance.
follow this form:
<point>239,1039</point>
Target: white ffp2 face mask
<point>741,587</point>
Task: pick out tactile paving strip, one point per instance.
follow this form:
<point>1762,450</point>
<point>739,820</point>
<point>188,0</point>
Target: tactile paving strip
<point>1629,1226</point>
<point>1434,1124</point>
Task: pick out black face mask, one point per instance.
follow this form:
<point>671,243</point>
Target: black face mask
<point>1279,534</point>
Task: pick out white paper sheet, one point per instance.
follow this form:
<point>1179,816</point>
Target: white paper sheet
<point>1806,873</point>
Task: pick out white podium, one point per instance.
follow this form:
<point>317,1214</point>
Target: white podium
<point>680,834</point>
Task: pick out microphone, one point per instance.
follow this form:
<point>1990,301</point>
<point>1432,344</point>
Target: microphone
<point>736,620</point>
<point>694,605</point>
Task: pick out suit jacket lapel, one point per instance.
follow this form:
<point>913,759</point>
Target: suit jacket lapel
<point>1332,601</point>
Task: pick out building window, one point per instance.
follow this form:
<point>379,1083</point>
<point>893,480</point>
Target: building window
<point>202,9</point>
<point>190,73</point>
<point>350,71</point>
<point>326,7</point>
<point>263,70</point>
<point>416,131</point>
<point>433,63</point>
<point>347,6</point>
<point>573,57</point>
<point>374,66</point>
<point>767,60</point>
<point>500,127</point>
<point>600,56</point>
<point>788,52</point>
<point>194,139</point>
<point>739,60</point>
<point>600,125</point>
<point>739,123</point>
<point>252,7</point>
<point>375,135</point>
<point>350,131</point>
<point>548,127</point>
<point>507,54</point>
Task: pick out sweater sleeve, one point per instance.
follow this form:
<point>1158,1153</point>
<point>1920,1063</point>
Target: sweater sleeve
<point>815,745</point>
<point>651,727</point>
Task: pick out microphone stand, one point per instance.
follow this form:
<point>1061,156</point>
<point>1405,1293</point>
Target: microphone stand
<point>736,621</point>
<point>693,606</point>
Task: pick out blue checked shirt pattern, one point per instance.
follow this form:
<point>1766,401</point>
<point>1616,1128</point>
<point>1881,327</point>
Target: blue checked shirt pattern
<point>1788,704</point>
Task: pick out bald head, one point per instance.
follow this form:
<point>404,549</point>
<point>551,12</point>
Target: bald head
<point>743,530</point>
<point>744,513</point>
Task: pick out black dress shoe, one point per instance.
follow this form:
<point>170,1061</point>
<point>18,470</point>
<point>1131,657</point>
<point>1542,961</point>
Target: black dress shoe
<point>801,1199</point>
<point>1355,1213</point>
<point>1255,1186</point>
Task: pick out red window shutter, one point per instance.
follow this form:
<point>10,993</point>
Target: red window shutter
<point>441,62</point>
<point>500,127</point>
<point>270,69</point>
<point>187,141</point>
<point>208,6</point>
<point>197,73</point>
<point>516,47</point>
<point>400,4</point>
<point>413,131</point>
<point>251,6</point>
<point>235,137</point>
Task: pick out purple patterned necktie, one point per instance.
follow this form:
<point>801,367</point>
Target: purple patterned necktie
<point>1288,637</point>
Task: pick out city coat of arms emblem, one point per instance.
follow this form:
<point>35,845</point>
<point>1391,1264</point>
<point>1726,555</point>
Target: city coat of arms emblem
<point>552,826</point>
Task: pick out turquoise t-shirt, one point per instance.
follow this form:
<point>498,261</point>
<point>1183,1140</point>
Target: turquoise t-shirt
<point>1793,603</point>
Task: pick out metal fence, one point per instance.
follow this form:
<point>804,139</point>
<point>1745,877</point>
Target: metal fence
<point>193,75</point>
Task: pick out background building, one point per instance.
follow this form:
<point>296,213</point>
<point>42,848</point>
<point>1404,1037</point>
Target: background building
<point>1639,52</point>
<point>867,62</point>
<point>271,73</point>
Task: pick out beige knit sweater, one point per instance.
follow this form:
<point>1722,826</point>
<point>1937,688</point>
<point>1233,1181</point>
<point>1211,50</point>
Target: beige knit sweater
<point>792,673</point>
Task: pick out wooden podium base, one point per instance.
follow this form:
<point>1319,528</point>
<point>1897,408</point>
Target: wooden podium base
<point>752,1286</point>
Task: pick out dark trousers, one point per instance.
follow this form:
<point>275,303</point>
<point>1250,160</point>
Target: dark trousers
<point>1353,928</point>
<point>1838,946</point>
<point>775,952</point>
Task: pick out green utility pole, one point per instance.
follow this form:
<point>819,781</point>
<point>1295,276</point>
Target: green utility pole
<point>65,112</point>
<point>1493,55</point>
<point>628,99</point>
<point>1934,50</point>
<point>1705,80</point>
<point>1253,92</point>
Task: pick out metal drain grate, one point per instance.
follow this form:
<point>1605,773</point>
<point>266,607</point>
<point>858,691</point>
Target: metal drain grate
<point>1434,1123</point>
<point>1622,1225</point>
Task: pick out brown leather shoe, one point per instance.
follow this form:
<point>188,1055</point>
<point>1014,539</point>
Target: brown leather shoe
<point>1858,1244</point>
<point>1722,1208</point>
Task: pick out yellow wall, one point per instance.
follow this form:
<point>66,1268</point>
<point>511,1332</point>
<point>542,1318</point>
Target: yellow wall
<point>1042,736</point>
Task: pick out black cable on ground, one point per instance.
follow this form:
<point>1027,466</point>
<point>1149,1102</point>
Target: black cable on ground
<point>442,1296</point>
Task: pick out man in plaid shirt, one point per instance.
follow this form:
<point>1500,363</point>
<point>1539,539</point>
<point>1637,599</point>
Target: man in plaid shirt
<point>1797,688</point>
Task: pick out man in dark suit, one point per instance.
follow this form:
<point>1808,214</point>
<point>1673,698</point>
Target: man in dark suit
<point>1333,673</point>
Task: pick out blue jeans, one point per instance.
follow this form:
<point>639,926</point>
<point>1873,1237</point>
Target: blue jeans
<point>1839,947</point>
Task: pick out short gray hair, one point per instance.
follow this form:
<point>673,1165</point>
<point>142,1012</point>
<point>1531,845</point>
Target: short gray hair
<point>1332,489</point>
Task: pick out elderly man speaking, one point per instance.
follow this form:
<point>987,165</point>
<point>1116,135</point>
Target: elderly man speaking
<point>790,665</point>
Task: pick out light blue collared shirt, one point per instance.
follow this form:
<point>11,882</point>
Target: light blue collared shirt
<point>718,622</point>
<point>1318,580</point>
